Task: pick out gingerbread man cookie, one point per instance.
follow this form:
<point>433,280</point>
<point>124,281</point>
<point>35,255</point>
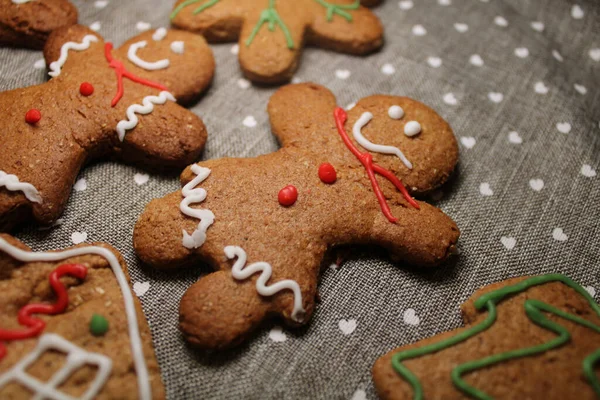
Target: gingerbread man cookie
<point>264,224</point>
<point>71,327</point>
<point>272,33</point>
<point>525,338</point>
<point>27,23</point>
<point>100,102</point>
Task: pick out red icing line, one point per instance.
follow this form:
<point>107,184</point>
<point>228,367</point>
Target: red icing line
<point>122,72</point>
<point>34,325</point>
<point>327,173</point>
<point>288,196</point>
<point>33,116</point>
<point>367,161</point>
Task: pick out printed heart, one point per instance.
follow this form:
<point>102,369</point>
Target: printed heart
<point>388,69</point>
<point>410,317</point>
<point>508,242</point>
<point>537,26</point>
<point>468,141</point>
<point>80,185</point>
<point>444,2</point>
<point>588,171</point>
<point>536,184</point>
<point>485,189</point>
<point>501,21</point>
<point>347,326</point>
<point>243,83</point>
<point>434,62</point>
<point>95,26</point>
<point>406,5</point>
<point>78,237</point>
<point>521,52</point>
<point>577,12</point>
<point>342,74</point>
<point>580,88</point>
<point>249,121</point>
<point>141,179</point>
<point>450,99</point>
<point>515,138</point>
<point>476,60</point>
<point>563,127</point>
<point>100,4</point>
<point>595,54</point>
<point>277,335</point>
<point>40,64</point>
<point>559,235</point>
<point>541,88</point>
<point>557,56</point>
<point>140,288</point>
<point>359,395</point>
<point>462,28</point>
<point>419,30</point>
<point>591,290</point>
<point>235,49</point>
<point>496,97</point>
<point>142,26</point>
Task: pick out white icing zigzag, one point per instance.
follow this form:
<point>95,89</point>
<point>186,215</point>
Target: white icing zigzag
<point>132,323</point>
<point>206,217</point>
<point>56,66</point>
<point>240,273</point>
<point>146,107</point>
<point>76,358</point>
<point>11,182</point>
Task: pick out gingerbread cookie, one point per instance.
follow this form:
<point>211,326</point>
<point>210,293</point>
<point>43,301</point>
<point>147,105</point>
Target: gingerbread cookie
<point>71,326</point>
<point>264,224</point>
<point>272,33</point>
<point>525,338</point>
<point>100,102</point>
<point>27,23</point>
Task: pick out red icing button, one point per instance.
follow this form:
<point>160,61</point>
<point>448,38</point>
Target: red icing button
<point>288,195</point>
<point>327,173</point>
<point>33,116</point>
<point>86,89</point>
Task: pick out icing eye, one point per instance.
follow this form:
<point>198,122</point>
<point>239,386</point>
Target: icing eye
<point>412,128</point>
<point>177,47</point>
<point>396,112</point>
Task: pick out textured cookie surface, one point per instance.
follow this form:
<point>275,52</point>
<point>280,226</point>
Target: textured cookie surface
<point>99,292</point>
<point>100,102</point>
<point>249,204</point>
<point>272,33</point>
<point>556,371</point>
<point>29,23</point>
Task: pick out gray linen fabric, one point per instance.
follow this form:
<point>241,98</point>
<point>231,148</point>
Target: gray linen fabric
<point>525,194</point>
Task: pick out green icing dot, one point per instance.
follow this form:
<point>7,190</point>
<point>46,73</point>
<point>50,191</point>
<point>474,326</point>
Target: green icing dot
<point>98,325</point>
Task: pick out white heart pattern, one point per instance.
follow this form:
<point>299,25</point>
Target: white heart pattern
<point>434,62</point>
<point>591,290</point>
<point>277,335</point>
<point>468,141</point>
<point>444,2</point>
<point>580,88</point>
<point>515,138</point>
<point>141,179</point>
<point>250,121</point>
<point>419,30</point>
<point>588,171</point>
<point>501,21</point>
<point>406,5</point>
<point>96,26</point>
<point>243,83</point>
<point>460,27</point>
<point>495,97</point>
<point>557,56</point>
<point>142,26</point>
<point>577,12</point>
<point>563,127</point>
<point>476,60</point>
<point>40,64</point>
<point>410,317</point>
<point>342,74</point>
<point>100,4</point>
<point>595,54</point>
<point>140,288</point>
<point>559,235</point>
<point>485,189</point>
<point>538,26</point>
<point>450,99</point>
<point>347,326</point>
<point>235,49</point>
<point>522,52</point>
<point>541,88</point>
<point>508,242</point>
<point>388,69</point>
<point>359,395</point>
<point>80,185</point>
<point>78,237</point>
<point>536,184</point>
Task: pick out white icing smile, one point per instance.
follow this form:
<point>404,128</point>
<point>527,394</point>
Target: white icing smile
<point>150,66</point>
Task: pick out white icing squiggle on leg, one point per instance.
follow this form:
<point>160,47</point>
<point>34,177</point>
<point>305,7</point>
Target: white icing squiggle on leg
<point>146,107</point>
<point>377,148</point>
<point>76,358</point>
<point>132,323</point>
<point>240,273</point>
<point>12,183</point>
<point>55,66</point>
<point>206,217</point>
<point>150,66</point>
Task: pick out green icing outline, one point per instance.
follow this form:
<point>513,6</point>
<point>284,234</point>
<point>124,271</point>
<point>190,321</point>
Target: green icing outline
<point>534,310</point>
<point>198,10</point>
<point>339,9</point>
<point>271,16</point>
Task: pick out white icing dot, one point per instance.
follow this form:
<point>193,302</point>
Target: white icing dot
<point>178,47</point>
<point>159,34</point>
<point>396,112</point>
<point>412,128</point>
